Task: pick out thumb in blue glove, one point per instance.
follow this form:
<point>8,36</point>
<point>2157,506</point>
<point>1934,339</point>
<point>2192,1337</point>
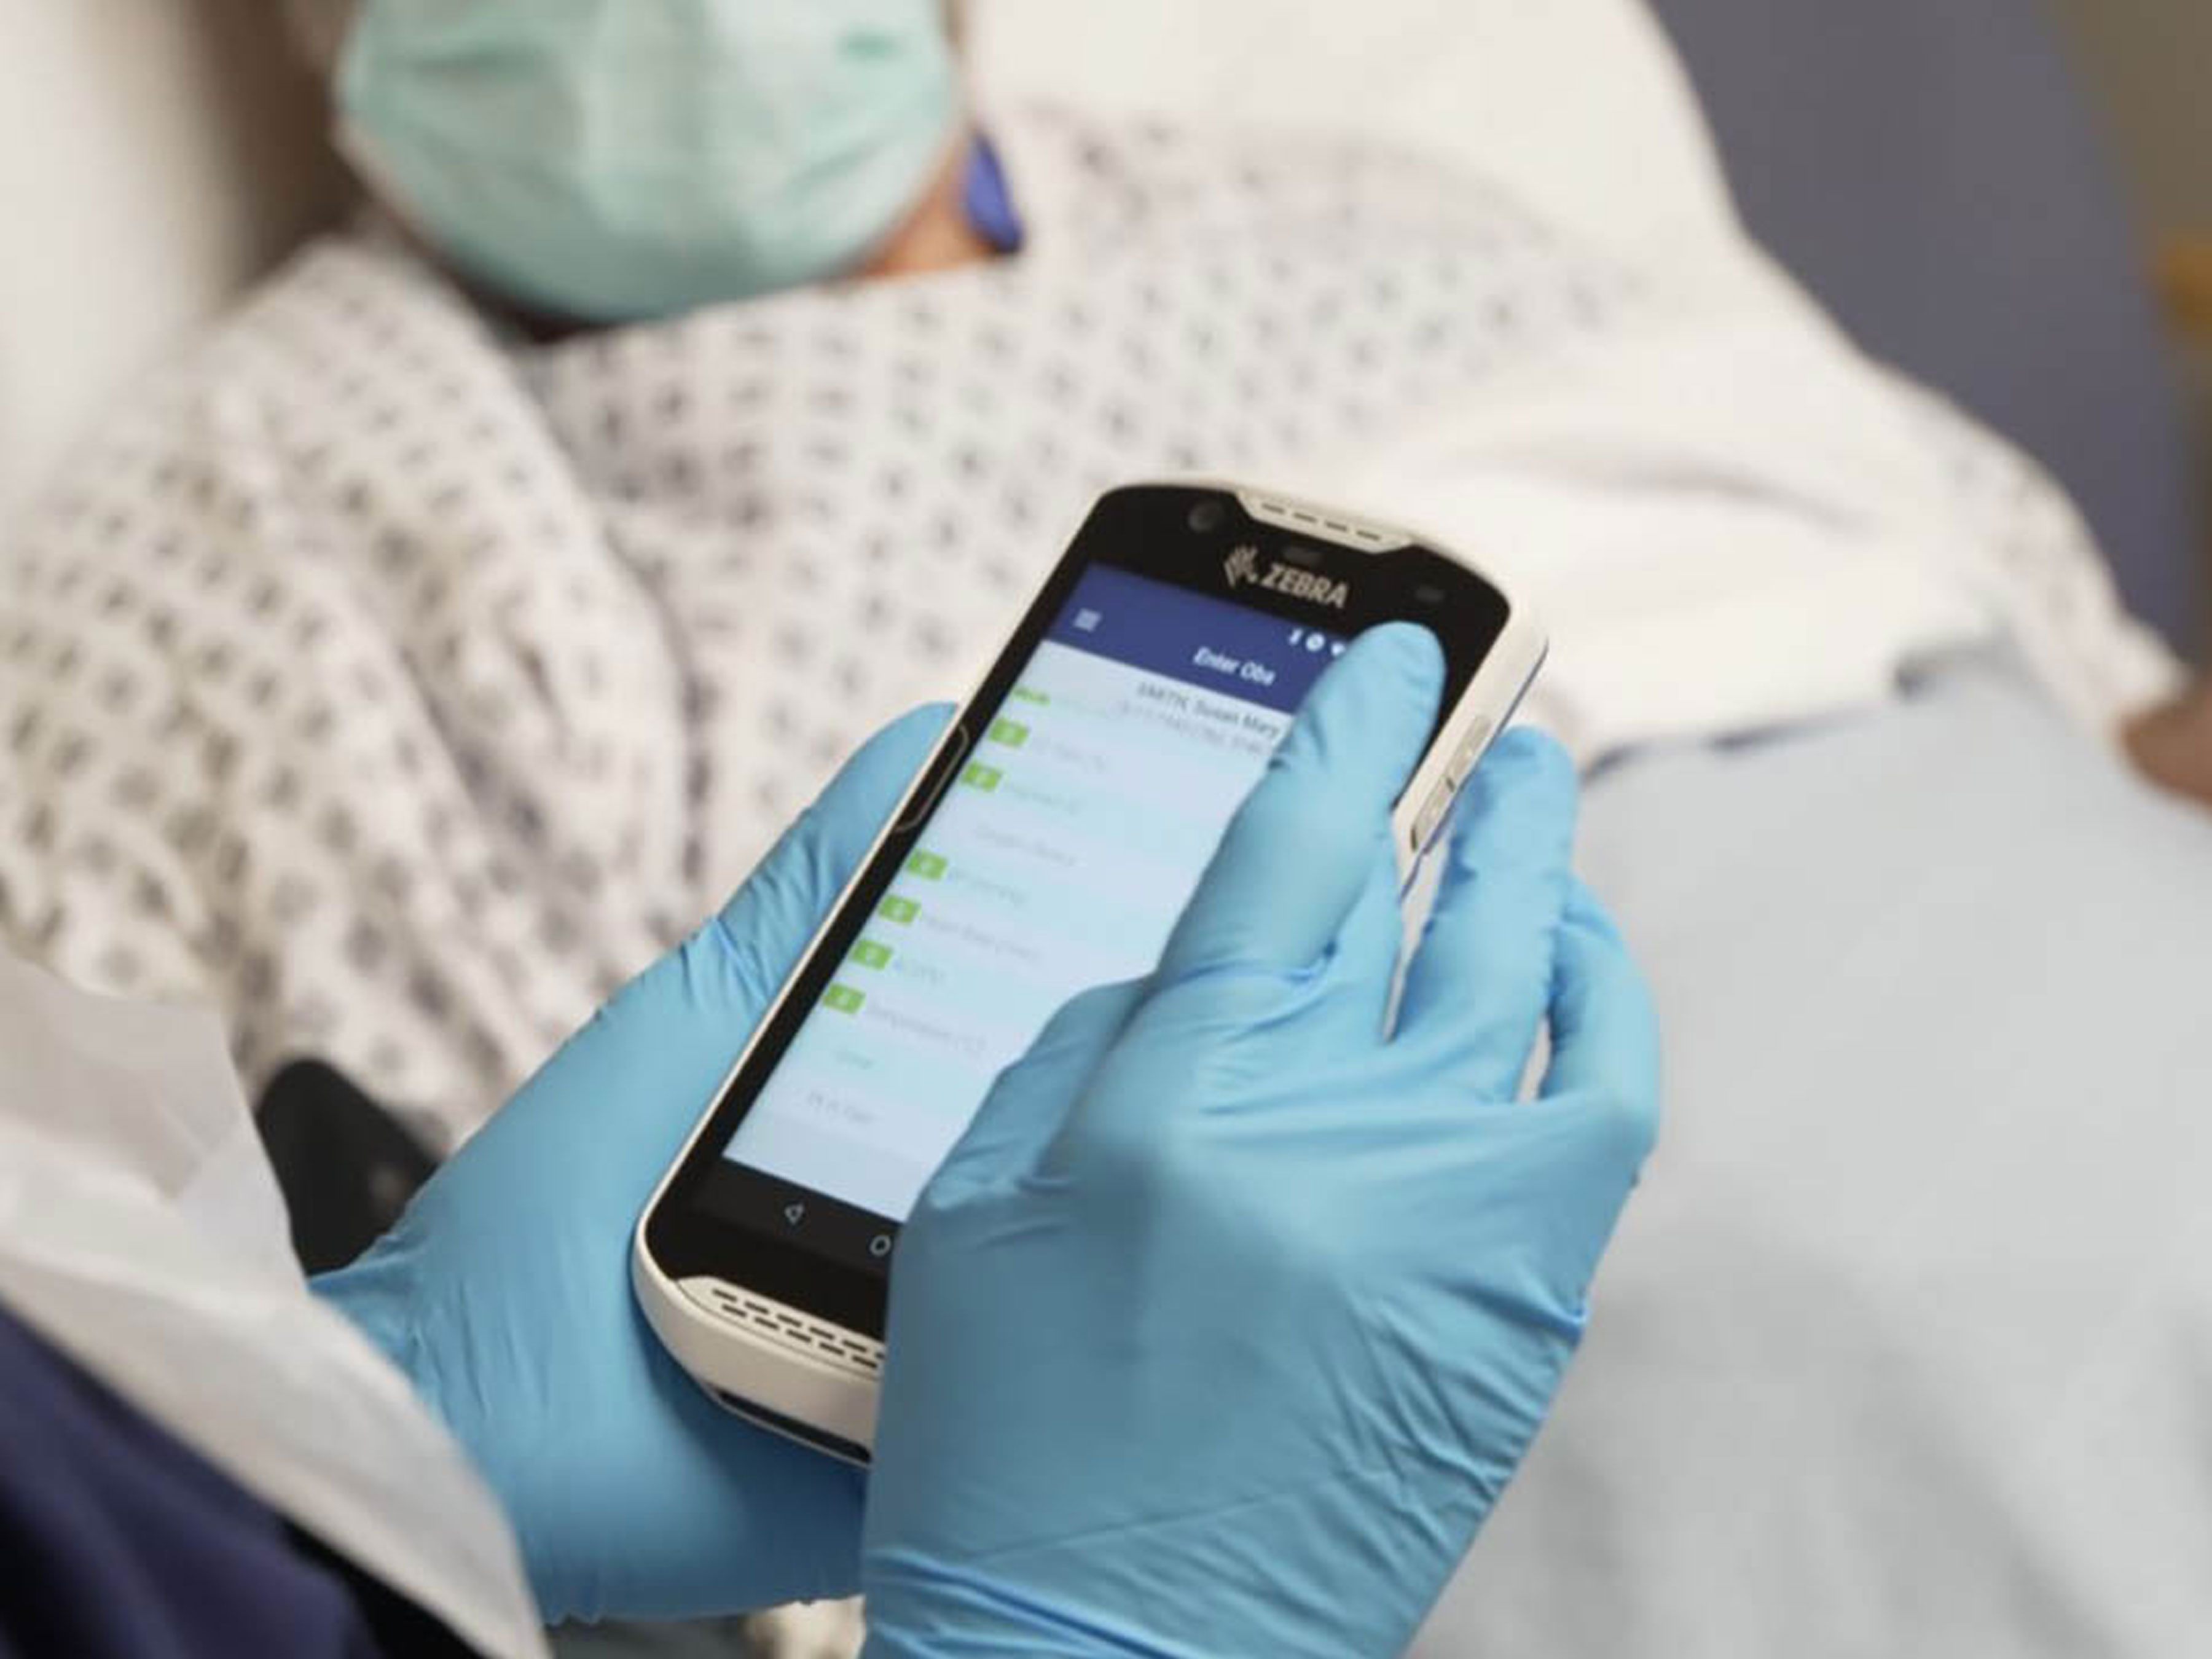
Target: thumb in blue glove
<point>1225,1325</point>
<point>504,1293</point>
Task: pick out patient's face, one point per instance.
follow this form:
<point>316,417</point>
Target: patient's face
<point>611,164</point>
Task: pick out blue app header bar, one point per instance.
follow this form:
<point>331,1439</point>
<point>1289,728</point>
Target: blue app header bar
<point>1206,642</point>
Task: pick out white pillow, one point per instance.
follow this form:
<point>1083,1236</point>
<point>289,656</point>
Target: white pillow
<point>1579,104</point>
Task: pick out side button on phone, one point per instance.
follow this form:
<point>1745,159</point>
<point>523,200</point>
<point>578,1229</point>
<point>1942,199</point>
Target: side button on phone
<point>1462,765</point>
<point>948,762</point>
<point>1431,817</point>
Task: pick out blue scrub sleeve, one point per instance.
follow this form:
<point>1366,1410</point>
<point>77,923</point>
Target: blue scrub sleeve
<point>122,1543</point>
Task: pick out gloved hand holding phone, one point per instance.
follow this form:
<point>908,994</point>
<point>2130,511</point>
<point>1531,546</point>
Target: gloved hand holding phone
<point>1224,1326</point>
<point>504,1292</point>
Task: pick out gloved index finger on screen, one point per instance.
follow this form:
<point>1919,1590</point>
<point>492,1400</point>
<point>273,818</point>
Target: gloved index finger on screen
<point>1297,855</point>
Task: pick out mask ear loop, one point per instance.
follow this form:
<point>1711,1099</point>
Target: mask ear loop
<point>985,200</point>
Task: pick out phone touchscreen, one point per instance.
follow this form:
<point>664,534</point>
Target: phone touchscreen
<point>1057,858</point>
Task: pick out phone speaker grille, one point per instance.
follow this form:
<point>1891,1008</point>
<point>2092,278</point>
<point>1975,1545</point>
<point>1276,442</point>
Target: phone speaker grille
<point>790,1328</point>
<point>1280,511</point>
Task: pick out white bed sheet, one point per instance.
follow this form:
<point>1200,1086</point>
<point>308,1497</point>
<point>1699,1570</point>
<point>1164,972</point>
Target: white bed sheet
<point>1731,484</point>
<point>1904,1346</point>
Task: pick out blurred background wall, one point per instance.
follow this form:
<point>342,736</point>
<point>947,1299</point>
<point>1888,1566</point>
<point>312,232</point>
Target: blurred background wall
<point>2148,64</point>
<point>126,127</point>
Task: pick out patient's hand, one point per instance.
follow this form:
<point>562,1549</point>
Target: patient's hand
<point>2172,744</point>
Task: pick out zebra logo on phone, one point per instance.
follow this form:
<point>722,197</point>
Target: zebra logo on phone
<point>1243,566</point>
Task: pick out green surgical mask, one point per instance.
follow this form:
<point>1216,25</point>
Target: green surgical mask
<point>609,160</point>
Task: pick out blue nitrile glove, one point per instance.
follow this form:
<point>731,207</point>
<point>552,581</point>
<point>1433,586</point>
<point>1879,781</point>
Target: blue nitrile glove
<point>504,1290</point>
<point>1223,1328</point>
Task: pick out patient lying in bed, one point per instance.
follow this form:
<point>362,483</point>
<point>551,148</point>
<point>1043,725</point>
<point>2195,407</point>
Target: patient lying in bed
<point>410,665</point>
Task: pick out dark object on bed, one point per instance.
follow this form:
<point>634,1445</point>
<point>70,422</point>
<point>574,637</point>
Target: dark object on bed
<point>345,1165</point>
<point>1932,172</point>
